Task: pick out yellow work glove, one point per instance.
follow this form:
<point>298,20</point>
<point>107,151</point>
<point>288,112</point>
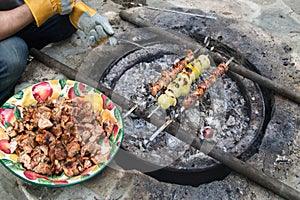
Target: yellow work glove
<point>44,9</point>
<point>96,27</point>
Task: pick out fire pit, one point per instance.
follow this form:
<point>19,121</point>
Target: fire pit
<point>234,108</point>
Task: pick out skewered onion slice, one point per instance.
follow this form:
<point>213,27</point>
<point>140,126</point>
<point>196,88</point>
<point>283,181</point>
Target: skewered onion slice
<point>166,100</point>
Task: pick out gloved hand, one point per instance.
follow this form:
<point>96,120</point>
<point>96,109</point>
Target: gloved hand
<point>91,23</point>
<point>44,9</point>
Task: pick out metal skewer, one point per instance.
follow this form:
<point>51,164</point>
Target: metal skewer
<point>206,43</point>
<point>169,121</point>
<point>130,111</point>
<point>165,125</point>
<point>179,12</point>
<point>156,109</point>
<point>135,106</point>
<point>172,11</point>
<point>157,132</point>
<point>113,41</point>
<point>229,61</point>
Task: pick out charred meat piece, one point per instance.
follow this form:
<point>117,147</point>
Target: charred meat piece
<point>56,130</point>
<point>70,167</point>
<point>205,85</point>
<point>57,167</point>
<point>73,148</point>
<point>44,123</point>
<point>169,75</point>
<point>39,155</point>
<point>26,160</point>
<point>45,137</point>
<point>108,127</point>
<point>43,168</point>
<point>25,143</point>
<point>57,152</point>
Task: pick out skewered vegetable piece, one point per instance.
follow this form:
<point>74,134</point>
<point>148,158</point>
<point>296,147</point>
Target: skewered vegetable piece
<point>182,84</point>
<point>205,85</point>
<point>169,75</point>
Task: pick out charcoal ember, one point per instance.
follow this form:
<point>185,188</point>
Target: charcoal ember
<point>208,132</point>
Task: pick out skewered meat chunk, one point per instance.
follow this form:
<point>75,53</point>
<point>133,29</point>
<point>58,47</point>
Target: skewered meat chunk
<point>169,75</point>
<point>205,85</point>
<point>59,136</point>
<point>181,85</point>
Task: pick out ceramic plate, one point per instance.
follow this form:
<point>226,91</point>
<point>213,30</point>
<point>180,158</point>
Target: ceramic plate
<point>12,110</point>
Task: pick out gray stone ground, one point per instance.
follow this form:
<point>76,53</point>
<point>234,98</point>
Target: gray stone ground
<point>277,22</point>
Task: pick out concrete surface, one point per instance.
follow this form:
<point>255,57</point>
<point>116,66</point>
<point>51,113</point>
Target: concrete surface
<point>277,22</point>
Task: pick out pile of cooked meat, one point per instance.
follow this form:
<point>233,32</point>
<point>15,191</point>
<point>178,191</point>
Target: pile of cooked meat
<point>57,136</point>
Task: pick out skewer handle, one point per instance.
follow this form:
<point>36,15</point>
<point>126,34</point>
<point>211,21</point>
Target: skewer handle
<point>184,13</point>
<point>130,111</point>
<point>157,132</point>
<point>156,109</point>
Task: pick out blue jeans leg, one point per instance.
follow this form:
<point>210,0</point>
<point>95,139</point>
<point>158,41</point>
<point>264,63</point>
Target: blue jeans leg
<point>14,50</point>
<point>13,60</point>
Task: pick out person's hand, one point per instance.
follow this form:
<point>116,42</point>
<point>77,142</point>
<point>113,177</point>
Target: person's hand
<point>44,9</point>
<point>96,27</point>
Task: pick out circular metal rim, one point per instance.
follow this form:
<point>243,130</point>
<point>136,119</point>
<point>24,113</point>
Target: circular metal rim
<point>195,177</point>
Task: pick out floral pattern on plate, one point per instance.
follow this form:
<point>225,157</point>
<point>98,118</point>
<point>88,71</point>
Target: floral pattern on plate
<point>11,110</point>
